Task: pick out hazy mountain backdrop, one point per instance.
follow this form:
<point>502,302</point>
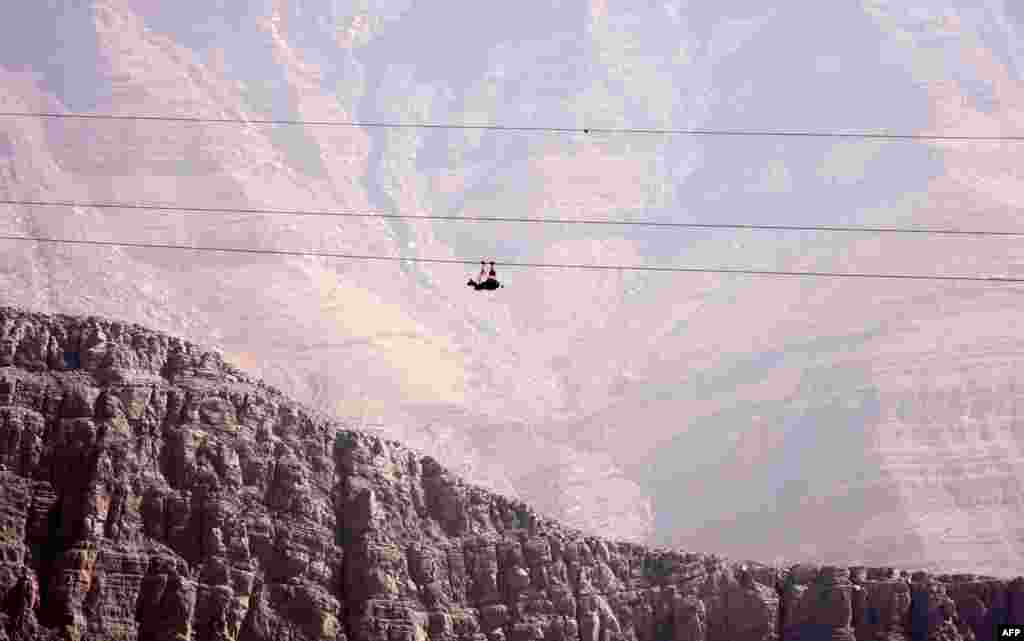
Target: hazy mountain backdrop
<point>849,420</point>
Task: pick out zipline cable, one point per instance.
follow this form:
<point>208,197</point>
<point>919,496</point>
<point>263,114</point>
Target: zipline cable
<point>702,270</point>
<point>509,219</point>
<point>864,135</point>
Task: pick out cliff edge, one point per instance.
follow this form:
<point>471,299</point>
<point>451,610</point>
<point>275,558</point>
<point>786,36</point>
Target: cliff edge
<point>150,491</point>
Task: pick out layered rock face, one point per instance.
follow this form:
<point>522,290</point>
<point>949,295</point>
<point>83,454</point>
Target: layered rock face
<point>152,492</point>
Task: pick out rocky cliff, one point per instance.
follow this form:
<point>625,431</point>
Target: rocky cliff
<point>150,491</point>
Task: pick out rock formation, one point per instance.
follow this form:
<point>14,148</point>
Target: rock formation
<point>152,492</point>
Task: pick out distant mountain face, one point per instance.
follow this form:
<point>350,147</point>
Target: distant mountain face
<point>876,419</point>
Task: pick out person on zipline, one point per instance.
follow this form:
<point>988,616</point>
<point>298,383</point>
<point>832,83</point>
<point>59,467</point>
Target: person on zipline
<point>487,281</point>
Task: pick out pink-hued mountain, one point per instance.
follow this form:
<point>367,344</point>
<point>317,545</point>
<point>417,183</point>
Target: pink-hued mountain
<point>837,420</point>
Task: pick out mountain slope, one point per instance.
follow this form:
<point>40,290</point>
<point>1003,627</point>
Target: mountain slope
<point>642,405</point>
<point>152,492</point>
